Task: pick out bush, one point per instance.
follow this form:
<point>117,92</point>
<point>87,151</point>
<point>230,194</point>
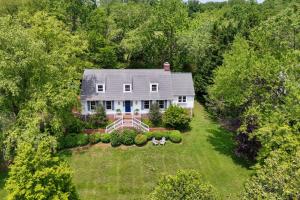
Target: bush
<point>69,141</point>
<point>115,139</point>
<point>155,114</point>
<point>175,136</point>
<point>82,139</point>
<point>157,135</point>
<point>140,139</point>
<point>105,137</point>
<point>98,119</point>
<point>176,117</point>
<point>184,185</point>
<point>128,136</point>
<point>94,138</point>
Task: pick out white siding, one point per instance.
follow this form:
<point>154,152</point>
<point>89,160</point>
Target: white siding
<point>188,104</point>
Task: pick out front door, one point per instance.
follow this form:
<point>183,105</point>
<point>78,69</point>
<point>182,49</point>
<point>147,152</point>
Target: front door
<point>127,106</point>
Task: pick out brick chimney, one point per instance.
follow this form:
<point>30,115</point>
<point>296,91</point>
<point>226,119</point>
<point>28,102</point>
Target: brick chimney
<point>166,66</point>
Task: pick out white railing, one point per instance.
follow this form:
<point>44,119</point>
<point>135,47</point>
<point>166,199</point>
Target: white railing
<point>140,125</point>
<point>115,125</point>
<point>133,122</point>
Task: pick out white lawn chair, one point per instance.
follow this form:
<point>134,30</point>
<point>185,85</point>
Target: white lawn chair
<point>154,141</point>
<point>162,141</point>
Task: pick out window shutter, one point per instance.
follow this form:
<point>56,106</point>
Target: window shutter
<point>88,105</point>
<point>165,104</point>
<point>142,105</point>
<point>112,105</point>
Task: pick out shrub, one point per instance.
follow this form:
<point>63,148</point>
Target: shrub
<point>175,136</point>
<point>140,139</point>
<point>157,135</point>
<point>69,140</point>
<point>184,185</point>
<point>147,121</point>
<point>105,137</point>
<point>115,139</point>
<point>128,136</point>
<point>82,139</point>
<point>155,114</point>
<point>98,119</point>
<point>176,117</point>
<point>94,138</point>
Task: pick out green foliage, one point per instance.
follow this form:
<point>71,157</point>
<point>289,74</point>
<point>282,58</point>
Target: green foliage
<point>38,174</point>
<point>98,119</point>
<point>140,139</point>
<point>278,178</point>
<point>105,137</point>
<point>157,135</point>
<point>82,139</point>
<point>176,117</point>
<point>94,138</point>
<point>115,139</point>
<point>127,136</point>
<point>182,186</point>
<point>155,114</point>
<point>175,136</point>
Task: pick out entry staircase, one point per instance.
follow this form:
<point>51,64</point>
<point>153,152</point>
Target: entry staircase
<point>127,122</point>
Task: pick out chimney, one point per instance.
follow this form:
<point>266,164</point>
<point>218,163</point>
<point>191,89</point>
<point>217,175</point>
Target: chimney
<point>166,66</point>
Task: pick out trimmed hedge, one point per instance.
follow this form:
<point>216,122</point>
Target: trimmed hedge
<point>128,136</point>
<point>73,140</point>
<point>82,139</point>
<point>175,136</point>
<point>176,117</point>
<point>140,139</point>
<point>105,138</point>
<point>94,138</point>
<point>115,139</point>
<point>157,135</point>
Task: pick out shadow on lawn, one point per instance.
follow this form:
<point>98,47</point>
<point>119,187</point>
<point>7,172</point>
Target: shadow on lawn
<point>222,141</point>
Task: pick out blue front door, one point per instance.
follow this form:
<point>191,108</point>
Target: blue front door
<point>127,106</point>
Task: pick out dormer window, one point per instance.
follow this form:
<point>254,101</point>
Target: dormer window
<point>153,87</point>
<point>100,88</point>
<point>127,88</point>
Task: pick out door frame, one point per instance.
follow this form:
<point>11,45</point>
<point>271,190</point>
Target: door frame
<point>127,105</point>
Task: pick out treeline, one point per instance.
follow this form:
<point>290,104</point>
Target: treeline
<point>244,58</point>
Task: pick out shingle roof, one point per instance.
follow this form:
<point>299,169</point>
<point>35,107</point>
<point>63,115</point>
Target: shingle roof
<point>169,84</point>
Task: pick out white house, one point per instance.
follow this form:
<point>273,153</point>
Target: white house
<point>132,91</point>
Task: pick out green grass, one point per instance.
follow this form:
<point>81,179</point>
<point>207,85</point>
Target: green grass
<point>103,172</point>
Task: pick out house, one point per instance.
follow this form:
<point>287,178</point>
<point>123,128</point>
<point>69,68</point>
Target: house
<point>132,91</point>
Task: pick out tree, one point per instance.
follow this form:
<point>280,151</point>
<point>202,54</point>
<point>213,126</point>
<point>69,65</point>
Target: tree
<point>176,117</point>
<point>184,185</point>
<point>155,114</point>
<point>278,178</point>
<point>37,173</point>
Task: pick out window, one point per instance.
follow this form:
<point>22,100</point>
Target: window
<point>182,99</point>
<point>100,88</point>
<point>92,105</point>
<point>146,104</point>
<point>154,87</point>
<point>161,104</point>
<point>127,87</point>
<point>108,105</point>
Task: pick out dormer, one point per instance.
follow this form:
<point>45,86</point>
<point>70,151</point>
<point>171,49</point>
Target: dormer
<point>153,87</point>
<point>127,87</point>
<point>100,88</point>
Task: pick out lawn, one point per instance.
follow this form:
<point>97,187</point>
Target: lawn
<point>103,172</point>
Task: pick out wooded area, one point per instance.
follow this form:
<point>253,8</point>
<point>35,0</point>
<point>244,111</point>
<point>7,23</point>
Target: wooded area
<point>244,57</point>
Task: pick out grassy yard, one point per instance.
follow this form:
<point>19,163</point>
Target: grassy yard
<point>103,172</point>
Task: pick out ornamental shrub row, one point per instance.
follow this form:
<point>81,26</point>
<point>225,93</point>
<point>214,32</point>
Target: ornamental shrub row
<point>127,137</point>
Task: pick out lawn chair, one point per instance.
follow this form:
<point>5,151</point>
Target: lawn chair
<point>154,141</point>
<point>162,141</point>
